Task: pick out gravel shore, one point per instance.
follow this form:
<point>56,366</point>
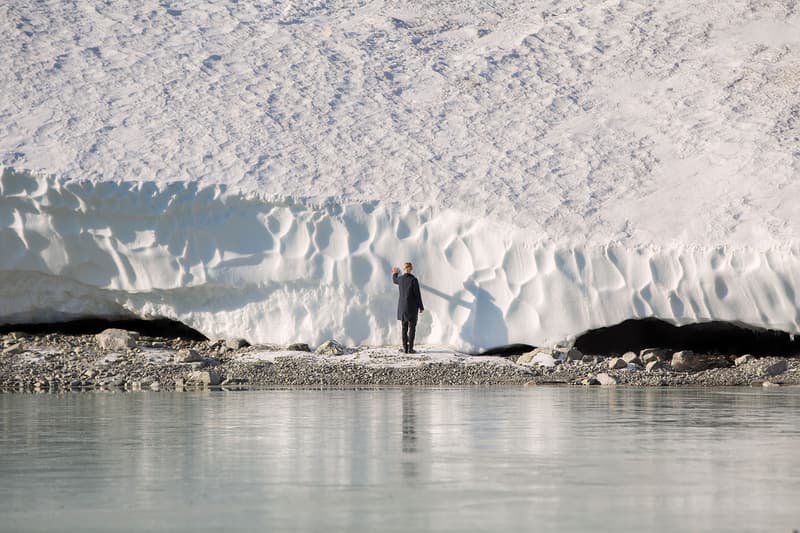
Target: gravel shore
<point>119,360</point>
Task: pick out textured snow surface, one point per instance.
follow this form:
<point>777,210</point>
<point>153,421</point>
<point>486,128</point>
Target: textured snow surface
<point>283,271</point>
<point>549,166</point>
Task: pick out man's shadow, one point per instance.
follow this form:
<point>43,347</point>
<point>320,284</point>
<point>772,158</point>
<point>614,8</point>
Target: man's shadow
<point>485,326</point>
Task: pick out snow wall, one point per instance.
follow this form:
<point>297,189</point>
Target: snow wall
<point>283,270</point>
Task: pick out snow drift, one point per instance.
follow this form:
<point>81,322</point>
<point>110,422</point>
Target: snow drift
<point>228,264</point>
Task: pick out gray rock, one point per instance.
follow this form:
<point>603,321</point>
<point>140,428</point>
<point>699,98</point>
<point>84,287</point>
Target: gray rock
<point>684,360</point>
<point>12,349</point>
<point>631,358</point>
<point>776,368</point>
<point>605,379</point>
<point>332,347</point>
<point>574,355</point>
<point>743,360</point>
<point>202,378</point>
<point>590,380</point>
<point>588,359</point>
<point>236,344</point>
<point>298,347</point>
<point>525,359</point>
<point>769,384</point>
<point>661,354</point>
<point>616,363</point>
<point>688,361</point>
<point>654,366</point>
<point>187,356</point>
<point>116,339</point>
<point>544,359</point>
<point>156,386</point>
<point>649,358</point>
<point>528,358</point>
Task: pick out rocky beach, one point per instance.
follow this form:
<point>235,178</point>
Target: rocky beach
<point>119,360</point>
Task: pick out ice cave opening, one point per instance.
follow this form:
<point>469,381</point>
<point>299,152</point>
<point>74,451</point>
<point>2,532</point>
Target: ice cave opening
<point>709,337</point>
<point>159,327</point>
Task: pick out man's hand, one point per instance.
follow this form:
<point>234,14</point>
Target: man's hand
<point>395,270</point>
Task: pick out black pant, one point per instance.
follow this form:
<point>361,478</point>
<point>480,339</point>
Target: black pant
<point>409,330</point>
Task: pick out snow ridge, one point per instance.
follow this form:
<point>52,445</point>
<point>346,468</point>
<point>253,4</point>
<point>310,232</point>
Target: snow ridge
<point>568,118</point>
<point>286,270</point>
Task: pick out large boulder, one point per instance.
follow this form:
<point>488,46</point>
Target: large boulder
<point>187,356</point>
<point>776,368</point>
<point>605,379</point>
<point>202,378</point>
<point>574,354</point>
<point>298,347</point>
<point>632,358</point>
<point>654,366</point>
<point>13,349</point>
<point>653,354</point>
<point>539,357</point>
<point>332,347</point>
<point>116,339</point>
<point>617,363</point>
<point>525,359</point>
<point>543,359</point>
<point>688,361</point>
<point>236,344</point>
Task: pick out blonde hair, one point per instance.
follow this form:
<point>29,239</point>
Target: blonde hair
<point>408,267</point>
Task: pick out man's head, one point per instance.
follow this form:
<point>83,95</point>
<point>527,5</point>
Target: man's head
<point>407,267</point>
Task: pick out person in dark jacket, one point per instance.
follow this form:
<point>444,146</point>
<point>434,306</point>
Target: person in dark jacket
<point>409,305</point>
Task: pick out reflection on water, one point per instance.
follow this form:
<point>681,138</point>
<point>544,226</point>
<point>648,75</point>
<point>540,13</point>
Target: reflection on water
<point>472,459</point>
<point>409,435</point>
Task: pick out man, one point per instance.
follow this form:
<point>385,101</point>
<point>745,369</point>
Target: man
<point>409,304</point>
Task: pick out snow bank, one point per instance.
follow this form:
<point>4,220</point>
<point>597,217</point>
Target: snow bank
<point>280,271</point>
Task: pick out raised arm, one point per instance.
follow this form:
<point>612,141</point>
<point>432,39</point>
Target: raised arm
<point>395,271</point>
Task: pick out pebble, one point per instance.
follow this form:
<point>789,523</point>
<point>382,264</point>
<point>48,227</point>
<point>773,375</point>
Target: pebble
<point>61,363</point>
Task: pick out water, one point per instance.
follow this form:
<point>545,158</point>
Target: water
<point>472,459</point>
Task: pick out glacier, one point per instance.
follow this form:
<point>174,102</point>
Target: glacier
<point>280,271</point>
<point>255,169</point>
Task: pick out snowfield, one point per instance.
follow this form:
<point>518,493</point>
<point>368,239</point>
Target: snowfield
<point>254,169</point>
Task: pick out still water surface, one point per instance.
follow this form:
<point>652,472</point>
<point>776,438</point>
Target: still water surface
<point>472,459</point>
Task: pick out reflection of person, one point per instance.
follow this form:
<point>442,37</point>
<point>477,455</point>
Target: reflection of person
<point>409,305</point>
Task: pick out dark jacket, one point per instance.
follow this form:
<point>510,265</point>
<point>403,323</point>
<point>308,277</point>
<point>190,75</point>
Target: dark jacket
<point>410,303</point>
